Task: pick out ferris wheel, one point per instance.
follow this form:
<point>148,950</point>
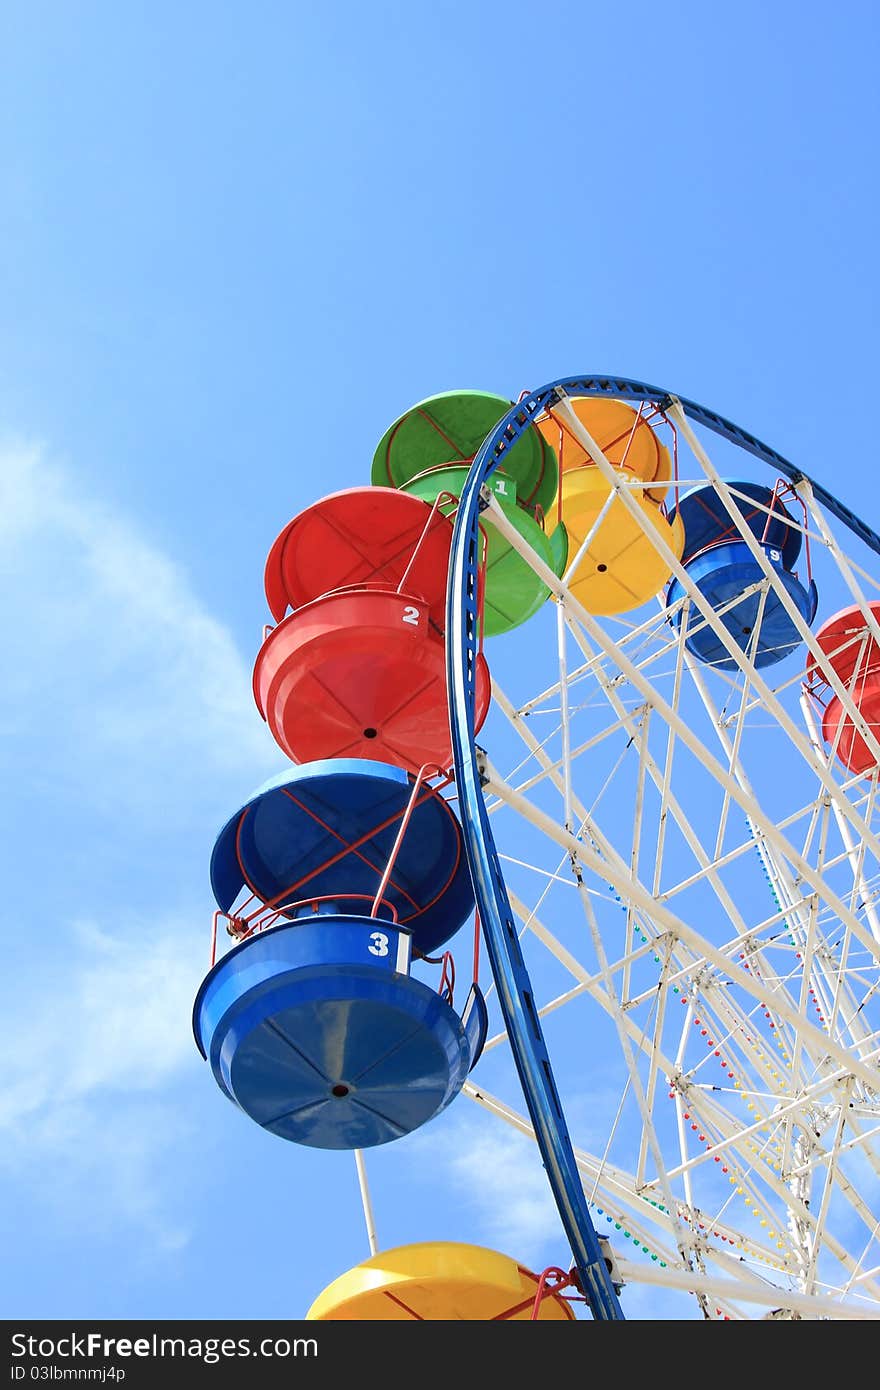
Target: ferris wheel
<point>597,672</point>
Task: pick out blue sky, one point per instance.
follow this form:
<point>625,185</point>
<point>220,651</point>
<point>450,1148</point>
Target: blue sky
<point>235,243</point>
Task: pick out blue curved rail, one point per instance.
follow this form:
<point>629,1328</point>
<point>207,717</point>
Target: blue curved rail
<point>499,929</point>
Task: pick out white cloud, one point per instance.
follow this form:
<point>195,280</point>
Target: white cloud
<point>116,677</point>
<point>80,1095</point>
<point>127,731</point>
<point>98,1177</point>
<point>118,1022</point>
<point>497,1173</point>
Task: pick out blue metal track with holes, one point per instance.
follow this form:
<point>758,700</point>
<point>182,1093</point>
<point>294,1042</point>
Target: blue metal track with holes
<point>499,930</point>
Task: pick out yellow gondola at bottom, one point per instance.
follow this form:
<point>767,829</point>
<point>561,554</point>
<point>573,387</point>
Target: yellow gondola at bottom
<point>622,568</point>
<point>436,1281</point>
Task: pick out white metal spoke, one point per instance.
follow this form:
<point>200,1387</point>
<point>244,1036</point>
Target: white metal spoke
<point>694,871</point>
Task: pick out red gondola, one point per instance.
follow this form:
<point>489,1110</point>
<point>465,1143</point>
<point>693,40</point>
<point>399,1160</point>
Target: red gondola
<point>852,654</point>
<point>357,667</point>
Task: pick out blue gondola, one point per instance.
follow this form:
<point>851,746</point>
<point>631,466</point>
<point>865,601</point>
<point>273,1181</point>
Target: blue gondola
<point>314,1025</point>
<point>327,828</point>
<point>721,565</point>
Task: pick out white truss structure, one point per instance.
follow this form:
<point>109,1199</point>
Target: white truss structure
<point>697,875</point>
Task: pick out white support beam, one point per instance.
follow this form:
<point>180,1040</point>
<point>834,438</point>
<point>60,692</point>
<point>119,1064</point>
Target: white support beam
<point>696,746</point>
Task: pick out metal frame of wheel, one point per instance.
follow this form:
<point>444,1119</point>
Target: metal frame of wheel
<point>475,778</point>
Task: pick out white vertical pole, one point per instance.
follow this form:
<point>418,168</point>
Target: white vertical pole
<point>365,1198</point>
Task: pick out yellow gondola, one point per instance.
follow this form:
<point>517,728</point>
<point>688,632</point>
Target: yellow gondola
<point>624,436</point>
<point>437,1281</point>
<point>622,568</point>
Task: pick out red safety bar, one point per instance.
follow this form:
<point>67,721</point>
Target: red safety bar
<point>242,924</point>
